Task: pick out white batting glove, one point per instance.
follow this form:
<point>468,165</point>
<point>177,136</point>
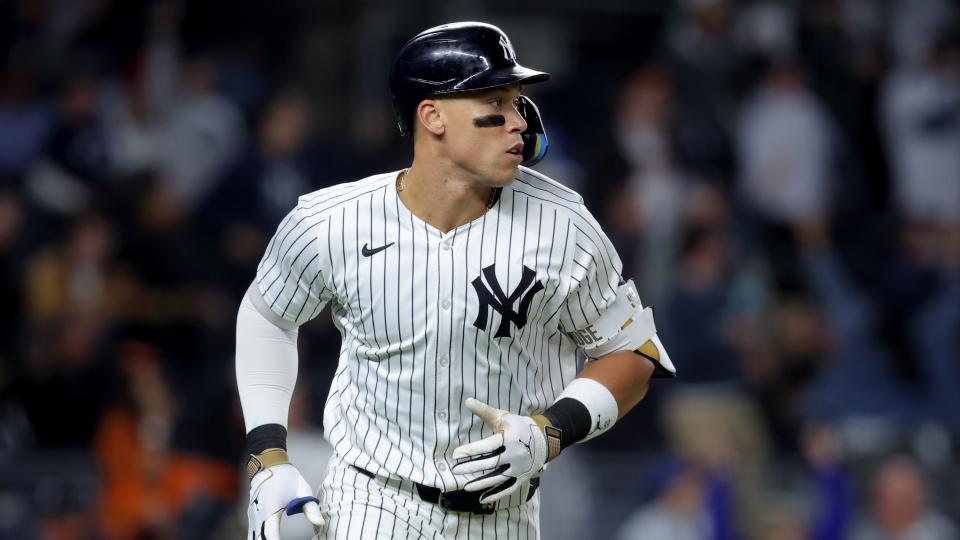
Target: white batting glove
<point>512,455</point>
<point>277,490</point>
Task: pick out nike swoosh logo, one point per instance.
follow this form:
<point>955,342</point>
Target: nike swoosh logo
<point>366,252</point>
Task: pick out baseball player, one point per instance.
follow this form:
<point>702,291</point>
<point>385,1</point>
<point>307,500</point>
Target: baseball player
<point>464,288</point>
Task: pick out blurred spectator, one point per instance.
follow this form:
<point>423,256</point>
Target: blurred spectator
<point>73,167</point>
<point>206,447</point>
<point>858,352</point>
<point>914,26</point>
<point>203,133</point>
<point>784,140</point>
<point>698,501</point>
<point>133,447</point>
<point>656,186</point>
<point>722,431</point>
<point>933,332</point>
<point>701,302</point>
<point>766,29</point>
<point>790,358</point>
<point>65,383</point>
<point>136,105</point>
<point>71,291</point>
<point>179,124</point>
<point>921,119</point>
<point>265,183</point>
<point>900,353</point>
<point>840,48</point>
<point>154,485</point>
<point>681,509</point>
<point>833,500</point>
<point>79,277</point>
<point>26,118</point>
<point>705,67</point>
<point>273,172</point>
<point>133,131</point>
<point>166,255</point>
<point>899,507</point>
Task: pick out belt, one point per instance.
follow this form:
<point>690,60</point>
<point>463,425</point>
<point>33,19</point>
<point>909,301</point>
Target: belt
<point>456,501</point>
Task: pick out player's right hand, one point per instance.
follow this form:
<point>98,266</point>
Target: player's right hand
<point>276,491</point>
<point>516,452</point>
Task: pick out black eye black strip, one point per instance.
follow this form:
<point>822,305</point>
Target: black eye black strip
<point>493,120</point>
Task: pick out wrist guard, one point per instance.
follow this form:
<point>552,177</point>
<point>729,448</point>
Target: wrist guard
<point>265,460</point>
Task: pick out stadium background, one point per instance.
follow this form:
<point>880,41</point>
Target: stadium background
<point>782,179</point>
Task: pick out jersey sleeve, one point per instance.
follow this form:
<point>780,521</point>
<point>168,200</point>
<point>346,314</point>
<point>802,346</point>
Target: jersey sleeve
<point>594,271</point>
<point>291,275</point>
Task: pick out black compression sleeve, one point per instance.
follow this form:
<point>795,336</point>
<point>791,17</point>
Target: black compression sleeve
<point>572,418</point>
<point>266,436</point>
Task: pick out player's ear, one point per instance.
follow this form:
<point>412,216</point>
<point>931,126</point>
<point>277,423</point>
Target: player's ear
<point>429,116</point>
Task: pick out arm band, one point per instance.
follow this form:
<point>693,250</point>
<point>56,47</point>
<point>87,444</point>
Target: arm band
<point>625,326</point>
<point>266,436</point>
<point>572,419</point>
<point>266,447</point>
<point>583,410</point>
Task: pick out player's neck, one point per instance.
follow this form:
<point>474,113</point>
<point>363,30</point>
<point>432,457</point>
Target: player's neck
<point>442,199</point>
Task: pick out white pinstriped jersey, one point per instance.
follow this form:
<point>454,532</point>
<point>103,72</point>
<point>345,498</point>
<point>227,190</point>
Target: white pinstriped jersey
<point>429,319</point>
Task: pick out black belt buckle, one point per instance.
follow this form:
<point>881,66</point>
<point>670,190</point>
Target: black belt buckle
<point>464,501</point>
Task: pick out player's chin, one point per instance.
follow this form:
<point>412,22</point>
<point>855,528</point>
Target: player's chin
<point>505,175</point>
<point>503,179</point>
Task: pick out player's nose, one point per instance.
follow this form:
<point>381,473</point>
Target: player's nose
<point>515,121</point>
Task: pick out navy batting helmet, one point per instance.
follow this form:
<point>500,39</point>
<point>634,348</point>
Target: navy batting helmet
<point>450,59</point>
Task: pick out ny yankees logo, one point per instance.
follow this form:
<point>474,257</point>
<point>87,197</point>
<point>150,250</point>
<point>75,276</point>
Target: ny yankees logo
<point>503,304</point>
<point>507,49</point>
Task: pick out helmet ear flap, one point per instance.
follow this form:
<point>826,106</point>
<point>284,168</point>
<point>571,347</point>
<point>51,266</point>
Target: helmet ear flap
<point>403,109</point>
<point>535,137</point>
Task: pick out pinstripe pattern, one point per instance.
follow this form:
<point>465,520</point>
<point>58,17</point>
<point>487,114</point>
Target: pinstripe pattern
<point>410,353</point>
<point>359,507</point>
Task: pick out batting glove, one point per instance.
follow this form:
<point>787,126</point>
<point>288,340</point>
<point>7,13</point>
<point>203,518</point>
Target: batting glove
<point>277,490</point>
<point>515,453</point>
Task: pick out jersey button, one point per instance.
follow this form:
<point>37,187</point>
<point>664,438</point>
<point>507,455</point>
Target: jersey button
<point>441,465</point>
<point>445,304</point>
<point>443,360</point>
<point>445,245</point>
<point>442,414</point>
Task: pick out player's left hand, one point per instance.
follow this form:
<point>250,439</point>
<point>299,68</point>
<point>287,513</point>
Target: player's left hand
<point>516,452</point>
<point>276,491</point>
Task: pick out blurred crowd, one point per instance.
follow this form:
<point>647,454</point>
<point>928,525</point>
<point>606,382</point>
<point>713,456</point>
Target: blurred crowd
<point>782,180</point>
